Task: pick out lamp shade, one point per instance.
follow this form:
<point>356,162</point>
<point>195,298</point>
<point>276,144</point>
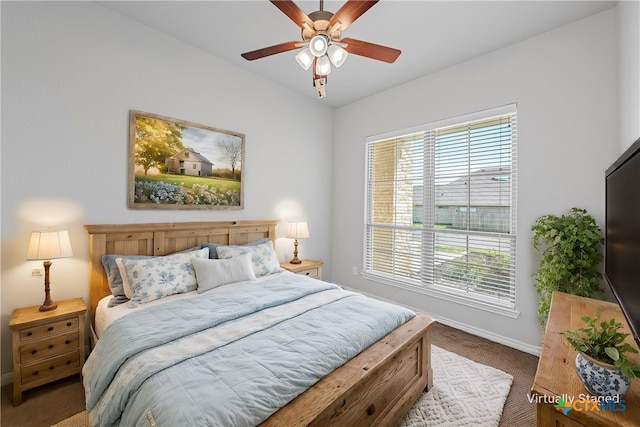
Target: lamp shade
<point>298,230</point>
<point>46,245</point>
<point>305,58</point>
<point>323,66</point>
<point>337,55</point>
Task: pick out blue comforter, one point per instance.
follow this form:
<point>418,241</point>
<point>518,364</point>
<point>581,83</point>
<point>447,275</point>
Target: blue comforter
<point>229,358</point>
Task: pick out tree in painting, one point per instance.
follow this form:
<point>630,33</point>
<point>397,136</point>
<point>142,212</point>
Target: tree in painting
<point>155,141</point>
<point>231,149</point>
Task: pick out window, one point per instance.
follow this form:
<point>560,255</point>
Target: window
<point>441,209</point>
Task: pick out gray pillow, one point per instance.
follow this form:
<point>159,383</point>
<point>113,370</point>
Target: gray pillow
<point>213,254</point>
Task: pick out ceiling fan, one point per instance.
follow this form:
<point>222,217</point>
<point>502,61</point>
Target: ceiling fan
<point>322,40</point>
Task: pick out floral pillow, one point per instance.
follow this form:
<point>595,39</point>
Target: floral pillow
<point>115,277</point>
<point>155,278</point>
<point>263,257</point>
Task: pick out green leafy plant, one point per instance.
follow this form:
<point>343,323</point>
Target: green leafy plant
<point>571,258</point>
<point>605,343</point>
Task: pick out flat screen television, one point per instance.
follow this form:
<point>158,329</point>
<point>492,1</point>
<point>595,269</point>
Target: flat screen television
<point>622,234</point>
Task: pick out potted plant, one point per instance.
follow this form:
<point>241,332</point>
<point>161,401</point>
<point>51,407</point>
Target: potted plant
<point>601,361</point>
<point>570,259</point>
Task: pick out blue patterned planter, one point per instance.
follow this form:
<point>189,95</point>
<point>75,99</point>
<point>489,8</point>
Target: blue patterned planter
<point>601,379</point>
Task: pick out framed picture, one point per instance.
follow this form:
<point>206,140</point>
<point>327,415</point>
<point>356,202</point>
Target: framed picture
<point>176,164</point>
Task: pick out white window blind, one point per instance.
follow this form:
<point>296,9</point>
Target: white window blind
<point>441,207</point>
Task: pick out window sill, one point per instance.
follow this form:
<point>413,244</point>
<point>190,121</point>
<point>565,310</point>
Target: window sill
<point>486,304</point>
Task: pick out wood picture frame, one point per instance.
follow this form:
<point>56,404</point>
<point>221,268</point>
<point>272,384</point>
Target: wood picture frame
<point>177,164</point>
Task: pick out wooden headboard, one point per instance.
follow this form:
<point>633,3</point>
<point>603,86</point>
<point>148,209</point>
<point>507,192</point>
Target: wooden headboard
<point>161,239</point>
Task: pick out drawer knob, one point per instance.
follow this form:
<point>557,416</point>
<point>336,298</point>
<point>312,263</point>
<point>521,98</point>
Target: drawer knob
<point>68,362</point>
<point>29,334</point>
<point>68,323</point>
<point>50,346</point>
<point>307,273</point>
<point>371,410</point>
<point>67,342</point>
<point>51,368</point>
<point>35,373</point>
<point>50,328</point>
<point>34,351</point>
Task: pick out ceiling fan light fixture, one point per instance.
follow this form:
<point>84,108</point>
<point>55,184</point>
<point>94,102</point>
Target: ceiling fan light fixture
<point>319,45</point>
<point>323,66</point>
<point>322,40</point>
<point>337,55</point>
<point>305,58</point>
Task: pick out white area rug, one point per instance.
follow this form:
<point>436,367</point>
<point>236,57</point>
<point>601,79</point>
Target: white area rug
<point>464,393</point>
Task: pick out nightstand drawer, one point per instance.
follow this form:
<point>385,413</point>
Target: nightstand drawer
<point>48,330</point>
<point>311,272</point>
<point>49,368</point>
<point>38,350</point>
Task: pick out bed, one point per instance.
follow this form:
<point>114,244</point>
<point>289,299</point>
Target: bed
<point>376,386</point>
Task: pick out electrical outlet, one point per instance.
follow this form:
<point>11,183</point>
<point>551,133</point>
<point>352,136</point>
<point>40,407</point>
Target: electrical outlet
<point>354,270</point>
<point>36,272</point>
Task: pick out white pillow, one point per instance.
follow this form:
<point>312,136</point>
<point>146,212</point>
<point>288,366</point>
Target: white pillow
<point>212,273</point>
<point>263,257</point>
<point>155,278</point>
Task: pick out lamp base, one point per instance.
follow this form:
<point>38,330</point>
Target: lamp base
<point>48,303</point>
<point>295,259</point>
<point>47,307</point>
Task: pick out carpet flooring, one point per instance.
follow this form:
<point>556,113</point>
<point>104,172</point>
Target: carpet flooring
<point>62,399</point>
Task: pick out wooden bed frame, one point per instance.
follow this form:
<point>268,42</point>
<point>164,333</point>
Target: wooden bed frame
<point>377,387</point>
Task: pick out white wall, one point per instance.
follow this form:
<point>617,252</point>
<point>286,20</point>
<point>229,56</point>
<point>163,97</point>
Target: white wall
<point>628,72</point>
<point>564,83</point>
<point>71,71</point>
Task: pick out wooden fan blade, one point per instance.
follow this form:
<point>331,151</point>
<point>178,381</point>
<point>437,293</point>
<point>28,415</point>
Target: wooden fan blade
<point>371,50</point>
<point>271,50</point>
<point>294,13</point>
<point>350,11</point>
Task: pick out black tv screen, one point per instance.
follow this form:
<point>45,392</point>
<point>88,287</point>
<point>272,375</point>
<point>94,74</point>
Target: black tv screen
<point>622,234</point>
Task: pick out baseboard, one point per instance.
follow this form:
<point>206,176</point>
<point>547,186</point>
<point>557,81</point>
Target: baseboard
<point>6,379</point>
<point>500,339</point>
<point>491,336</point>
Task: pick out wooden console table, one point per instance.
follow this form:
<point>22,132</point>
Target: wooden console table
<point>556,375</point>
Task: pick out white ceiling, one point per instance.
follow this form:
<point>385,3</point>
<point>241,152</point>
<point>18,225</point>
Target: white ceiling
<point>432,35</point>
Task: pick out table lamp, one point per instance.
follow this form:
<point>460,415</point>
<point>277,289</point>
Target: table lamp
<point>48,245</point>
<point>297,230</point>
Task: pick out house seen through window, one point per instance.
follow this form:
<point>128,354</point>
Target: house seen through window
<point>441,208</point>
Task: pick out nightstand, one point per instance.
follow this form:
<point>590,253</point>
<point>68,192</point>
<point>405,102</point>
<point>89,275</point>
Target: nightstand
<point>308,267</point>
<point>47,345</point>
